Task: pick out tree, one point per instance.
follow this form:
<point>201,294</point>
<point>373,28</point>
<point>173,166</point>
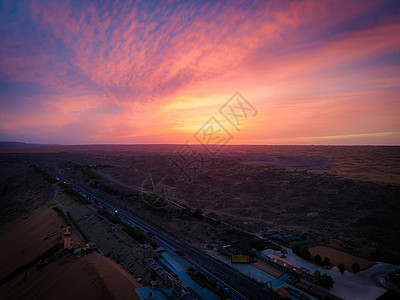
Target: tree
<point>327,262</point>
<point>296,249</point>
<point>302,251</point>
<point>305,253</point>
<point>355,267</point>
<point>318,259</point>
<point>326,281</point>
<point>283,252</point>
<point>341,268</point>
<point>258,244</point>
<point>252,254</point>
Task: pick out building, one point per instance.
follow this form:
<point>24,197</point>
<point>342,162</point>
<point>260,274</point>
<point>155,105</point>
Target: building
<point>166,280</point>
<point>286,265</point>
<point>146,252</point>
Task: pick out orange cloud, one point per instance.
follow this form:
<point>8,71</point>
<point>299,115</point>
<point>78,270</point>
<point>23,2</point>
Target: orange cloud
<point>130,72</point>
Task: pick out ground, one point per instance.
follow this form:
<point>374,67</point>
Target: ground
<point>344,194</point>
<point>26,241</point>
<point>91,276</point>
<point>21,190</point>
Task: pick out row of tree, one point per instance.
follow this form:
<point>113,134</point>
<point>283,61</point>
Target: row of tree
<point>326,262</point>
<point>354,267</point>
<point>46,176</point>
<point>138,235</point>
<point>73,194</point>
<point>198,214</point>
<point>304,253</point>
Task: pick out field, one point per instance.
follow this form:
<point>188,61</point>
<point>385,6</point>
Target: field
<point>339,257</point>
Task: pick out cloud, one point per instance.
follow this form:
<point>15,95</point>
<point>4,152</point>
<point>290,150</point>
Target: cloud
<point>118,65</point>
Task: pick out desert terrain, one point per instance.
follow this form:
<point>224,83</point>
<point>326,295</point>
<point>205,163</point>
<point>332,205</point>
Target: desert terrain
<point>65,276</point>
<point>344,196</point>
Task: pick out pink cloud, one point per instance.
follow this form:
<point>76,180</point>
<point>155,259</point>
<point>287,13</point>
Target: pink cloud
<point>123,56</point>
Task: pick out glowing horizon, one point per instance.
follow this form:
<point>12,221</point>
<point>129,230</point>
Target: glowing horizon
<point>142,72</point>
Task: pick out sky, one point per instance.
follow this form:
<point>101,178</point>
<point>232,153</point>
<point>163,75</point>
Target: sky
<point>235,72</point>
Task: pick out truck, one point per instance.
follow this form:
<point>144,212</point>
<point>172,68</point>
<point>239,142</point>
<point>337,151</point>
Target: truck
<point>180,253</point>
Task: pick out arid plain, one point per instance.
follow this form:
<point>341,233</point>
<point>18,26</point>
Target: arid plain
<point>342,196</point>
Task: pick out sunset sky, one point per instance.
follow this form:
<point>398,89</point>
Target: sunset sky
<point>96,72</point>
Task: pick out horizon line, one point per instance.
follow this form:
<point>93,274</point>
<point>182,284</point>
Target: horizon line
<point>196,144</point>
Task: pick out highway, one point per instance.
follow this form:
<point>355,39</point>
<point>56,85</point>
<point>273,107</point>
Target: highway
<point>239,286</point>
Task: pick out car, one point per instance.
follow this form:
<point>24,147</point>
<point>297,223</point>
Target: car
<point>180,253</point>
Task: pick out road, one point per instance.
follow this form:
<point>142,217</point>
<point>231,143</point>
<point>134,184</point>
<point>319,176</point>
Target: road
<point>239,286</point>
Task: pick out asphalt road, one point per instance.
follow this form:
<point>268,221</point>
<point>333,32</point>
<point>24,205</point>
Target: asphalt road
<point>239,286</point>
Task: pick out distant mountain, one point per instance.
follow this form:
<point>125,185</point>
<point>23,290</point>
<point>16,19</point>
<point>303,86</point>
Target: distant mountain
<point>19,144</point>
